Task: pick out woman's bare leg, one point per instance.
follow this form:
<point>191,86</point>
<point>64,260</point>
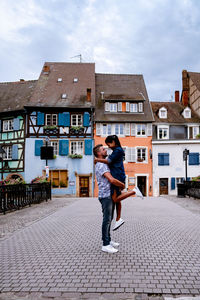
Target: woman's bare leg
<point>118,210</point>
<point>122,196</point>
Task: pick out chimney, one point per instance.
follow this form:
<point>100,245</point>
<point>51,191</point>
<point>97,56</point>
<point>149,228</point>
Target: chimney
<point>46,70</point>
<point>21,80</point>
<point>185,81</point>
<point>89,95</point>
<point>176,96</point>
<point>185,98</point>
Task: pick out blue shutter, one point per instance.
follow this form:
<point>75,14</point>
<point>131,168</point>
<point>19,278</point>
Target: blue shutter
<point>14,151</point>
<point>40,118</point>
<point>88,147</point>
<point>172,183</point>
<point>194,158</point>
<point>16,124</point>
<point>64,119</point>
<point>166,159</point>
<point>38,145</point>
<point>63,147</point>
<point>188,178</point>
<point>86,119</point>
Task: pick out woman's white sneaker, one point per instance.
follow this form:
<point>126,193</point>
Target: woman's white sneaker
<point>137,192</point>
<point>109,249</point>
<point>118,223</point>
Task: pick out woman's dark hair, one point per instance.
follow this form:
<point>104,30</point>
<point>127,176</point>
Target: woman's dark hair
<point>111,138</point>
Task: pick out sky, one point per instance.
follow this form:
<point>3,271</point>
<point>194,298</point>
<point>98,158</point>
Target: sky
<point>155,38</point>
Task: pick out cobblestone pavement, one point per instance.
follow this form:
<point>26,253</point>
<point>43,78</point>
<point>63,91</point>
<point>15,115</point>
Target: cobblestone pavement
<point>59,255</point>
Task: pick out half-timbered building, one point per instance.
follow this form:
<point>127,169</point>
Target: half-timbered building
<point>60,114</point>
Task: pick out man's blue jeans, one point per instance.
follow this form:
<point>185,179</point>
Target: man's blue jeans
<point>107,210</point>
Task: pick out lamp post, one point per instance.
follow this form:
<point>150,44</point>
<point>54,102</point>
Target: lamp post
<point>2,157</point>
<point>186,152</point>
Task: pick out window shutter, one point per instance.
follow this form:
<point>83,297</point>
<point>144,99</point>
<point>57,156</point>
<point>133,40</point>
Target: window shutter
<point>86,119</point>
<point>66,121</point>
<point>160,159</point>
<point>0,126</point>
<point>133,130</point>
<point>40,118</point>
<point>130,154</point>
<point>61,119</point>
<point>88,147</point>
<point>38,145</point>
<point>16,124</point>
<point>127,128</point>
<point>166,159</point>
<point>172,183</point>
<point>188,178</point>
<point>194,158</point>
<point>126,182</point>
<point>119,106</point>
<point>140,105</point>
<point>14,151</point>
<point>133,154</point>
<point>107,106</point>
<point>149,129</point>
<point>63,147</point>
<point>98,128</point>
<point>127,106</point>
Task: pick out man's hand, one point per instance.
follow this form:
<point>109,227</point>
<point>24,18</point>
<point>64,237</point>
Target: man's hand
<point>114,181</point>
<point>95,160</point>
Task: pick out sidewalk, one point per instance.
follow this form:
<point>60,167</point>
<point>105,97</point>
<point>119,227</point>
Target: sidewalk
<point>57,253</point>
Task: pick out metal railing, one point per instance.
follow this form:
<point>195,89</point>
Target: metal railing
<point>189,188</point>
<point>16,196</point>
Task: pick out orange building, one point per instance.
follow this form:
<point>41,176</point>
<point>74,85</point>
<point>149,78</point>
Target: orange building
<point>122,107</point>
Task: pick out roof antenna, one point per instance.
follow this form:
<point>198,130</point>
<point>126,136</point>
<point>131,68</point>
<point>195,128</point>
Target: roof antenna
<point>80,56</point>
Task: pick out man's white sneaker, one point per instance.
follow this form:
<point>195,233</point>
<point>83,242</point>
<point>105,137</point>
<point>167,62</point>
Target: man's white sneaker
<point>114,244</point>
<point>109,249</point>
<point>118,223</point>
<point>137,192</point>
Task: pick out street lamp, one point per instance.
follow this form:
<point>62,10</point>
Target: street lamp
<point>2,157</point>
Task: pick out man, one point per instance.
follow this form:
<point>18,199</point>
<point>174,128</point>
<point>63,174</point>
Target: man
<point>104,180</point>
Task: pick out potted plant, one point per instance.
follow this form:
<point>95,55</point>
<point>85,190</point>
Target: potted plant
<point>75,155</point>
<point>63,184</point>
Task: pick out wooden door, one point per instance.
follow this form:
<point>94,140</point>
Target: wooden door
<point>163,183</point>
<point>84,186</point>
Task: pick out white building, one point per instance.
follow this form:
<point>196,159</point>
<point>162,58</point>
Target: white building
<point>175,129</point>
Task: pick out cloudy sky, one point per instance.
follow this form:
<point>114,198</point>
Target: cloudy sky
<point>156,38</point>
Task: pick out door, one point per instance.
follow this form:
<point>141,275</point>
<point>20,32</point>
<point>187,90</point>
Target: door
<point>84,186</point>
<point>163,184</point>
<point>142,183</point>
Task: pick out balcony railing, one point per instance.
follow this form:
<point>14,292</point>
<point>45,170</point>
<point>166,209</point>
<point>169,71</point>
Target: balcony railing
<point>16,196</point>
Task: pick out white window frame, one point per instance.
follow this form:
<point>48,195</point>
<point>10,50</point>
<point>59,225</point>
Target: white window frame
<point>194,128</point>
<point>140,106</point>
<point>146,154</point>
<point>55,145</point>
<point>8,151</point>
<point>64,96</point>
<point>186,111</point>
<point>119,106</point>
<point>127,106</point>
<point>134,107</point>
<point>107,106</point>
<point>52,116</point>
<point>163,113</point>
<point>119,125</point>
<point>8,125</point>
<point>76,147</point>
<point>106,126</point>
<point>130,154</point>
<point>141,129</point>
<point>113,107</point>
<point>163,128</point>
<point>78,118</point>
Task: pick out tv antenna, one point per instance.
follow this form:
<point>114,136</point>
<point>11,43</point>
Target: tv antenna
<point>80,56</point>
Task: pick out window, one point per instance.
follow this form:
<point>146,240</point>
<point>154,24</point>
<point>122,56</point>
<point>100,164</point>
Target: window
<point>64,96</point>
<point>8,150</point>
<point>141,154</point>
<point>131,180</point>
<point>107,106</point>
<point>133,107</point>
<point>119,104</point>
<point>163,113</point>
<point>141,129</point>
<point>58,178</point>
<point>119,129</point>
<point>194,158</point>
<point>76,147</point>
<point>75,80</point>
<point>193,131</point>
<point>113,107</point>
<point>163,133</point>
<point>130,154</point>
<point>106,129</point>
<point>127,106</point>
<point>163,159</point>
<point>55,145</point>
<point>59,79</point>
<point>187,113</point>
<point>77,120</point>
<point>140,107</point>
<point>51,119</point>
<point>8,125</point>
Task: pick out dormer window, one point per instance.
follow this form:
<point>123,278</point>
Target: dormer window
<point>59,79</point>
<point>64,96</point>
<point>163,113</point>
<point>187,113</point>
<point>75,80</point>
<point>133,107</point>
<point>113,107</point>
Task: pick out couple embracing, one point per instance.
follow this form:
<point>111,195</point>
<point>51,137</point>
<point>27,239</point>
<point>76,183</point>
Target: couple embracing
<point>110,177</point>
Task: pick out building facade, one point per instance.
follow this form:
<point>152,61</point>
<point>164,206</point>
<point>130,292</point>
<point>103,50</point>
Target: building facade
<point>175,129</point>
<point>122,108</point>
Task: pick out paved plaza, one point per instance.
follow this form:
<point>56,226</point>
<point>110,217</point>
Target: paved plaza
<point>60,253</point>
